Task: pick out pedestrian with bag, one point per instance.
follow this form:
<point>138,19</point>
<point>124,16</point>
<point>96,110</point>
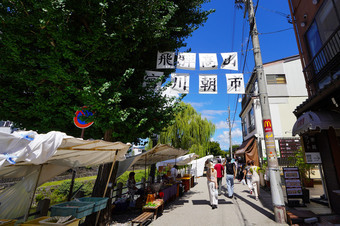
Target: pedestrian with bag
<point>255,179</point>
<point>212,185</point>
<point>220,174</point>
<point>230,176</point>
<point>248,176</point>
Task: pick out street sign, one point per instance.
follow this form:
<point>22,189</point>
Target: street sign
<point>267,125</point>
<point>313,157</point>
<point>80,123</point>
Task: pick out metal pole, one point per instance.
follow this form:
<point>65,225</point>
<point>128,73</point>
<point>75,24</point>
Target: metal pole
<point>273,166</point>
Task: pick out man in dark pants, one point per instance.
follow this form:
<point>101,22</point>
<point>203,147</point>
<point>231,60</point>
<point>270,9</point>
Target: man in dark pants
<point>220,173</point>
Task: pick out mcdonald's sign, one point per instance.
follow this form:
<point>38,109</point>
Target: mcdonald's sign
<point>267,125</point>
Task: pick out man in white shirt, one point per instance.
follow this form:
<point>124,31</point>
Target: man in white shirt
<point>174,172</point>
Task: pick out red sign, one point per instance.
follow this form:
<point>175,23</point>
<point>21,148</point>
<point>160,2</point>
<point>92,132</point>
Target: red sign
<point>267,125</point>
<point>80,123</point>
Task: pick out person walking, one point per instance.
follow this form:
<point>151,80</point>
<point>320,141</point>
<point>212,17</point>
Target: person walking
<point>255,179</point>
<point>212,185</point>
<point>230,176</point>
<point>248,176</point>
<point>220,174</point>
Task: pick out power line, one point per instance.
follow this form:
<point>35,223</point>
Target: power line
<point>287,16</point>
<point>276,31</point>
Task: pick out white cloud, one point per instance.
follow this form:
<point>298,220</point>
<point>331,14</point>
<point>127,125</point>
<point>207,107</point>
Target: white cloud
<point>222,125</point>
<point>213,112</point>
<point>225,125</point>
<point>223,138</point>
<point>197,104</point>
<point>209,117</point>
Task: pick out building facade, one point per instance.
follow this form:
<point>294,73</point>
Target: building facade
<point>317,29</point>
<point>286,89</point>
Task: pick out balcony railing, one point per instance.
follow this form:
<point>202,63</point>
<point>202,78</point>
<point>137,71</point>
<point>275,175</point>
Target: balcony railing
<point>327,56</point>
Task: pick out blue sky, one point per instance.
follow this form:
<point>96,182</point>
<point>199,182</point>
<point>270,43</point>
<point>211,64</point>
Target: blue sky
<point>217,36</point>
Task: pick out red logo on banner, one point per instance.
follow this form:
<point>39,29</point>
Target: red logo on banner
<point>267,125</point>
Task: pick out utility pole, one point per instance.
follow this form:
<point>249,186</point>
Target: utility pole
<point>273,166</point>
<point>230,144</point>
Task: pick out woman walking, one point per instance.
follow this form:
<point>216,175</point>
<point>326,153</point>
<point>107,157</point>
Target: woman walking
<point>255,179</point>
<point>248,176</point>
<point>212,185</point>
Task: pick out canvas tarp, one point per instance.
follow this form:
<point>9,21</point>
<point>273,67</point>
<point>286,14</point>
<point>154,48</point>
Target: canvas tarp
<point>249,149</point>
<point>159,153</point>
<point>36,158</point>
<point>181,161</point>
<point>197,166</point>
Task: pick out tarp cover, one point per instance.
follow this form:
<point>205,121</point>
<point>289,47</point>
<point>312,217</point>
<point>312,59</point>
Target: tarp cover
<point>36,158</point>
<point>160,152</point>
<point>181,161</point>
<point>197,166</point>
<point>249,149</point>
<point>313,120</point>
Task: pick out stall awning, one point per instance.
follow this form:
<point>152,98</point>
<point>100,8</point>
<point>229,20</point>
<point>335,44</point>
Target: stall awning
<point>316,120</point>
<point>244,146</point>
<point>249,149</point>
<point>159,153</point>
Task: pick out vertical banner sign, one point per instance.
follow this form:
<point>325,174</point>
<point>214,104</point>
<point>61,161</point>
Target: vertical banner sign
<point>207,84</point>
<point>186,61</point>
<point>229,61</point>
<point>180,82</point>
<point>151,77</point>
<point>208,61</point>
<point>165,60</point>
<point>235,83</point>
<point>270,143</point>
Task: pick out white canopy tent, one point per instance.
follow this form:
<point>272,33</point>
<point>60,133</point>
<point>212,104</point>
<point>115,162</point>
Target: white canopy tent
<point>181,161</point>
<point>197,165</point>
<point>36,158</point>
<point>160,152</point>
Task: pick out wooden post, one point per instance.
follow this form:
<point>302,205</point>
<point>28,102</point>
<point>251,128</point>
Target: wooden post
<point>107,183</point>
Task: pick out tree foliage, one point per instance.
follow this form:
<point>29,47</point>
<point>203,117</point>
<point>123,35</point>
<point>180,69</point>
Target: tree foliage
<point>215,149</point>
<point>60,55</point>
<point>189,131</point>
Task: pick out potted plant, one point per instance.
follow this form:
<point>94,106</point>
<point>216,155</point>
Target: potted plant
<point>305,169</point>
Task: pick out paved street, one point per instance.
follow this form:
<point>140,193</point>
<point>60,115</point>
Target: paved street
<point>193,208</point>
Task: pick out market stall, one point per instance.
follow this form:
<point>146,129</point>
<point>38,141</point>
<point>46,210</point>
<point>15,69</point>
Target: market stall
<point>36,158</point>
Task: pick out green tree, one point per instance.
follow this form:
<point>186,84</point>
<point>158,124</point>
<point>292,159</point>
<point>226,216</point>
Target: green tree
<point>189,131</point>
<point>60,55</point>
<point>214,148</point>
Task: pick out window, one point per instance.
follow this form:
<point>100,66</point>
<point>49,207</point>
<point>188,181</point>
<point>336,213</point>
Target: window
<point>251,119</point>
<point>276,79</point>
<point>244,127</point>
<point>324,25</point>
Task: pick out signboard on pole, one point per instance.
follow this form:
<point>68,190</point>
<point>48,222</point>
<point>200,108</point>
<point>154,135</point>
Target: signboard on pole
<point>313,157</point>
<point>81,123</point>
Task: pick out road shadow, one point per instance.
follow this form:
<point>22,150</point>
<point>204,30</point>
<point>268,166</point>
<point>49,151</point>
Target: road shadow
<point>207,202</point>
<point>256,207</point>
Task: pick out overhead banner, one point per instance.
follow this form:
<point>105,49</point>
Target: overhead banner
<point>208,61</point>
<point>165,60</point>
<point>229,61</point>
<point>235,83</point>
<point>186,61</point>
<point>207,84</point>
<point>180,82</point>
<point>150,77</point>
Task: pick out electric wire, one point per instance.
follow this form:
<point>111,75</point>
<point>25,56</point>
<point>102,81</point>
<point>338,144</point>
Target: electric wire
<point>257,4</point>
<point>276,31</point>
